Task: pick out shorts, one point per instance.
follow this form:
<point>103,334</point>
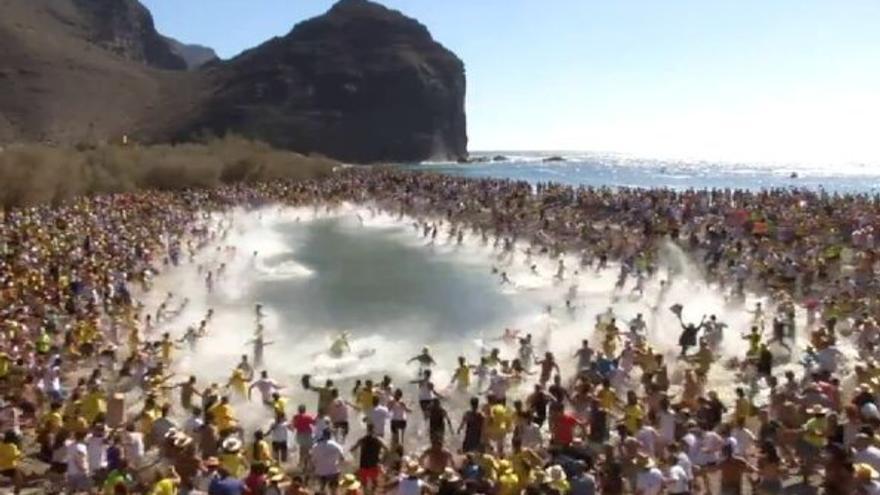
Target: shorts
<point>398,425</point>
<point>329,480</point>
<point>370,474</point>
<point>281,449</point>
<point>472,443</point>
<point>304,440</point>
<point>78,483</point>
<point>425,405</point>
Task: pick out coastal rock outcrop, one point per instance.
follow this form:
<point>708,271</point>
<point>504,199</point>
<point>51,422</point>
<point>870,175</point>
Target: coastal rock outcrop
<point>361,83</point>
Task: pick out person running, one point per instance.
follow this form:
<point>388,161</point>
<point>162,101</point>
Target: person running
<point>327,457</point>
<point>472,422</point>
<point>371,449</point>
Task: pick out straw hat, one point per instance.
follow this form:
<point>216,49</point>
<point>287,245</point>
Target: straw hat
<point>816,410</point>
<point>182,440</point>
<point>864,472</point>
<point>349,482</point>
<point>276,475</point>
<point>556,473</point>
<point>412,468</point>
<point>449,475</point>
<point>231,445</point>
<point>645,461</point>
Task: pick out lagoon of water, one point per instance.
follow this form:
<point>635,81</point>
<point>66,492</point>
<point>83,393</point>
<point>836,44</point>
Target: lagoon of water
<point>596,169</point>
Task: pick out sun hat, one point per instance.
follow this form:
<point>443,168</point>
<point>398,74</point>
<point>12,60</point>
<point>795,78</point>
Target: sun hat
<point>864,472</point>
<point>556,473</point>
<point>449,475</point>
<point>349,482</point>
<point>231,445</point>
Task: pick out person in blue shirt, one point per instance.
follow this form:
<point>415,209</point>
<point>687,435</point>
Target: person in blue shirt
<point>225,484</point>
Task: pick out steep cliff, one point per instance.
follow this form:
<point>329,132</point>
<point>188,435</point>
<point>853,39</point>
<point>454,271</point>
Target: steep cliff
<point>195,56</point>
<point>361,83</point>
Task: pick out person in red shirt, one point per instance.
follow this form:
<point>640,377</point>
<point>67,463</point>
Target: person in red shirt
<point>257,481</point>
<point>562,425</point>
<point>303,426</point>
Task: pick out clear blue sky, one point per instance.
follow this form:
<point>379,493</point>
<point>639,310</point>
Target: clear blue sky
<point>788,80</point>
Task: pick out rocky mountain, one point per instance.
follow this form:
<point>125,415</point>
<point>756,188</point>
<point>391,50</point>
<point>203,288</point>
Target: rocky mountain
<point>125,27</point>
<point>361,83</point>
<point>195,56</point>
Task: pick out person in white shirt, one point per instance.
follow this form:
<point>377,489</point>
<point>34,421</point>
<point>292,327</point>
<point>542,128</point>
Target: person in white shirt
<point>648,438</point>
<point>280,434</point>
<point>327,457</point>
<point>78,474</point>
<point>96,448</point>
<point>649,480</point>
<point>399,411</point>
<point>194,423</point>
<point>378,416</point>
<point>677,482</point>
<point>865,452</point>
<point>745,439</point>
<point>133,446</point>
<point>266,386</point>
<point>666,425</point>
<point>338,412</point>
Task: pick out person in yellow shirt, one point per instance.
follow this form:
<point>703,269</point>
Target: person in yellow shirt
<point>499,422</point>
<point>557,480</point>
<point>167,347</point>
<point>93,404</point>
<point>238,382</point>
<point>489,466</point>
<point>363,396</point>
<point>134,340</point>
<point>743,407</point>
<point>224,415</point>
<point>462,376</point>
<point>4,365</point>
<point>168,484</point>
<point>261,451</point>
<point>633,413</point>
<point>607,397</point>
<point>508,481</point>
<point>524,461</point>
<point>231,458</point>
<point>703,357</point>
<point>10,457</point>
<point>279,404</point>
<point>43,343</point>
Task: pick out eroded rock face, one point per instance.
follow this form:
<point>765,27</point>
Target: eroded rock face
<point>195,56</point>
<point>361,83</point>
<point>126,27</point>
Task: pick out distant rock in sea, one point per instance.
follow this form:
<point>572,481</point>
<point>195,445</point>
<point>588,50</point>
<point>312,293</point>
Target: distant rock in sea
<point>500,158</point>
<point>554,159</point>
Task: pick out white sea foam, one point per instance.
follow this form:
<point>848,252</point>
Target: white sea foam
<point>300,348</point>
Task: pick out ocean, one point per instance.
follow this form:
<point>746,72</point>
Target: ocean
<point>615,170</point>
<point>319,273</point>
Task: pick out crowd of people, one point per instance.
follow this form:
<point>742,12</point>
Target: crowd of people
<point>91,403</point>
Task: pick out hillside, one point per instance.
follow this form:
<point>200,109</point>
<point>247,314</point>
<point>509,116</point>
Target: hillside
<point>194,55</point>
<point>361,83</point>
